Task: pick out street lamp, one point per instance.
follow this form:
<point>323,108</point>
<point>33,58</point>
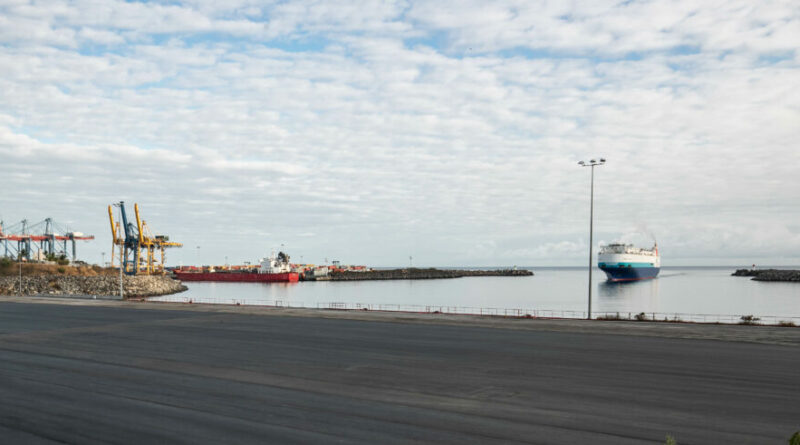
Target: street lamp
<point>591,163</point>
<point>122,257</point>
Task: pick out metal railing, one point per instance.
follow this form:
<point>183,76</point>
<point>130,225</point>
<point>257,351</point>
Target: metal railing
<point>675,317</point>
<point>679,317</point>
<point>232,301</point>
<point>454,310</point>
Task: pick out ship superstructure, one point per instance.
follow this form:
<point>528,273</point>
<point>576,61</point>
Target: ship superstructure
<point>624,262</point>
<point>276,264</point>
<point>276,268</point>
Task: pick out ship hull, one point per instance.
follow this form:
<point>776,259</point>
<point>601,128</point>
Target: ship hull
<point>630,273</point>
<point>287,277</point>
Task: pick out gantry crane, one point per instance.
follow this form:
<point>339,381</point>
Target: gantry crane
<point>138,248</point>
<point>40,240</point>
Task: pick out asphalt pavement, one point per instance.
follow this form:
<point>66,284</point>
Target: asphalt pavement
<point>115,374</point>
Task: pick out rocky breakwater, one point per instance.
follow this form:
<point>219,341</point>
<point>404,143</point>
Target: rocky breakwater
<point>769,274</point>
<point>424,274</point>
<point>133,286</point>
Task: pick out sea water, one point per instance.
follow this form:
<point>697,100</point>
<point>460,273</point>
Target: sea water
<point>682,290</point>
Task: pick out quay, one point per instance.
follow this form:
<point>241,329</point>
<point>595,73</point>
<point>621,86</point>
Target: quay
<point>769,274</point>
<point>414,273</point>
<point>91,371</point>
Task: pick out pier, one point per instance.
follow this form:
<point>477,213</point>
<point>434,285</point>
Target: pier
<point>769,274</point>
<point>424,274</point>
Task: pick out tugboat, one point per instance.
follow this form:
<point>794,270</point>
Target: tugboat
<point>275,269</point>
<point>623,262</point>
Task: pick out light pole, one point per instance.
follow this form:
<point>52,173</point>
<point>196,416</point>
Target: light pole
<point>592,163</point>
<point>122,259</point>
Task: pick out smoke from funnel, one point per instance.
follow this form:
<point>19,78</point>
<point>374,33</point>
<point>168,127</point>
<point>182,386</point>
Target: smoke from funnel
<point>638,234</point>
<point>643,229</point>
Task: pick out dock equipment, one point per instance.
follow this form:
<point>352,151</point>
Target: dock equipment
<point>39,241</point>
<point>140,252</point>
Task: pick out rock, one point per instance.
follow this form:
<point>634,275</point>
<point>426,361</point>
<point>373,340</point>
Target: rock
<point>769,274</point>
<point>133,286</point>
<point>423,274</point>
<point>778,275</point>
<point>747,272</point>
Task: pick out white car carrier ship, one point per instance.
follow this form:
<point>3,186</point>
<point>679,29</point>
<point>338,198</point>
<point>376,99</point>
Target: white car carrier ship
<point>623,262</point>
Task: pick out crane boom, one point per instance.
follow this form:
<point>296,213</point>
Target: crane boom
<point>113,229</point>
<point>138,223</point>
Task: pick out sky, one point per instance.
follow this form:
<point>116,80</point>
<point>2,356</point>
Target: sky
<point>388,133</point>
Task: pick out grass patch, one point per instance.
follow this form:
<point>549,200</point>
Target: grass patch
<point>641,316</point>
<point>611,317</point>
<point>10,267</point>
<point>749,320</point>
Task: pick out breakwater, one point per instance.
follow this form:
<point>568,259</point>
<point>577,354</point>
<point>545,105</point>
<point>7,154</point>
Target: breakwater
<point>769,274</point>
<point>424,274</point>
<point>133,286</point>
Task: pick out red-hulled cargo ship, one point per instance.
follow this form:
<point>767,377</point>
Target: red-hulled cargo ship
<point>244,277</point>
<point>275,269</point>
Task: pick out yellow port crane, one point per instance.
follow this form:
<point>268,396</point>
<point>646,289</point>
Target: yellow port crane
<point>138,247</point>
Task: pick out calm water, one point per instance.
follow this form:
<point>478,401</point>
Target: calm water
<point>691,290</point>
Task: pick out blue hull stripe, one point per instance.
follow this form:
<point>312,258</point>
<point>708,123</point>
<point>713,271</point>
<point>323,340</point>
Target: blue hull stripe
<point>602,265</point>
<point>630,273</point>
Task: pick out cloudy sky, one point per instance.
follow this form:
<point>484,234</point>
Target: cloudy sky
<point>373,131</point>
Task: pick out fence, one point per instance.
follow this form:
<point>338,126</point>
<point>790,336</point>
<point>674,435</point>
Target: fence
<point>502,312</point>
<point>699,318</point>
<point>231,301</point>
<point>454,310</point>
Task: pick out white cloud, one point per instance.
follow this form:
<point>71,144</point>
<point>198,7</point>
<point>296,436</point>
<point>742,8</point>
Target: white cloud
<point>100,36</point>
<point>374,126</point>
